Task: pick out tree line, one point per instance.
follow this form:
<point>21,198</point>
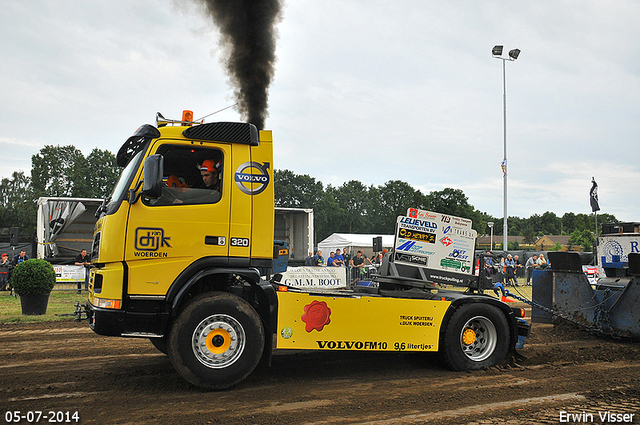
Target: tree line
<point>353,207</point>
<point>56,171</point>
<point>356,208</point>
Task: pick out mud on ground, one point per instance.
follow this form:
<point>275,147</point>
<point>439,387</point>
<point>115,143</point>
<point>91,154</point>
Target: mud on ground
<point>65,367</point>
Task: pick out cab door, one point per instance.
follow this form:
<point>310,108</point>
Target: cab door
<point>188,222</point>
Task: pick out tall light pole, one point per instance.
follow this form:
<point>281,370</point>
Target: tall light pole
<point>490,224</point>
<point>513,55</point>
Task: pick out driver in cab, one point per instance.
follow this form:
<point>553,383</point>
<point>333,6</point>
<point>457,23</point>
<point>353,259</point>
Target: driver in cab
<point>210,171</point>
<point>209,191</point>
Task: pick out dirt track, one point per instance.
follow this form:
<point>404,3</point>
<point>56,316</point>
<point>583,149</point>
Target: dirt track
<point>65,367</point>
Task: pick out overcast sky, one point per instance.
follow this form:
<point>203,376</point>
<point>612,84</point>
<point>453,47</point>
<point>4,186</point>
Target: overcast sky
<point>363,90</point>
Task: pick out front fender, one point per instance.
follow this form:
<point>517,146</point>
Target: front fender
<point>265,293</point>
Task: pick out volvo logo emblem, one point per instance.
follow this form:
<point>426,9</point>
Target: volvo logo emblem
<point>252,178</point>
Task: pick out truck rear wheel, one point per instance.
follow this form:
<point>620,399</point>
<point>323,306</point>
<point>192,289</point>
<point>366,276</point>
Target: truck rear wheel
<point>477,336</point>
<point>216,341</point>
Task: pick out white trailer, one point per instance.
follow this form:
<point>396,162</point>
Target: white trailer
<point>295,227</point>
<point>65,227</point>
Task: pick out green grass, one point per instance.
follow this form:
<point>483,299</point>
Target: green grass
<point>60,302</point>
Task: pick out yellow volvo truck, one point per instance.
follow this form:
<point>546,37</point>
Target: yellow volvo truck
<point>180,244</point>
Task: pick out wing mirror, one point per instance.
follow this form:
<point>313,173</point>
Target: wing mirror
<point>151,180</point>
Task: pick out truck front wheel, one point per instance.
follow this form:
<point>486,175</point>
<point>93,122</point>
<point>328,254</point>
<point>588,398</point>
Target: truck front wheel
<point>477,336</point>
<point>216,341</point>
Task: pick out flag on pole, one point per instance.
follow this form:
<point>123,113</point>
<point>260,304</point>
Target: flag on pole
<point>593,195</point>
<point>503,165</point>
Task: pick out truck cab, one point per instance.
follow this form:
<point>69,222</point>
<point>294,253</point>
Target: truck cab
<point>164,236</point>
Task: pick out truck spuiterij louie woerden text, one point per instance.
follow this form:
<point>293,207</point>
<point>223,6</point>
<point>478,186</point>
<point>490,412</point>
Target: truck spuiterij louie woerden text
<point>183,251</point>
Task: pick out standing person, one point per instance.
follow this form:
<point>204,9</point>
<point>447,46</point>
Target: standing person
<point>358,265</point>
<point>511,271</point>
<point>347,264</point>
<point>518,266</point>
<point>317,259</point>
<point>309,260</point>
<point>347,257</point>
<point>502,272</point>
<point>542,263</point>
<point>19,258</point>
<point>331,261</point>
<point>488,264</point>
<point>4,272</point>
<point>528,267</point>
<point>339,259</point>
<point>83,259</point>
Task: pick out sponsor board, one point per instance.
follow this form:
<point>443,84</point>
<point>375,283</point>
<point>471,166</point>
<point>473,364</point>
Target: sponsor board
<point>315,277</point>
<point>411,259</point>
<point>592,273</point>
<point>436,241</point>
<point>458,222</point>
<point>446,277</point>
<point>69,273</point>
<point>616,249</point>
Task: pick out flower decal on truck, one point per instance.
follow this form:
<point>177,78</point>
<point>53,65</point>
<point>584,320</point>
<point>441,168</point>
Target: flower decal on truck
<point>316,316</point>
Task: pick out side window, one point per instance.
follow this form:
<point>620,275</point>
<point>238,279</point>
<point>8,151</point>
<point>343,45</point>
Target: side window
<point>191,176</point>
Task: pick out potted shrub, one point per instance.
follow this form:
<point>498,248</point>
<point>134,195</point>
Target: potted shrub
<point>33,281</point>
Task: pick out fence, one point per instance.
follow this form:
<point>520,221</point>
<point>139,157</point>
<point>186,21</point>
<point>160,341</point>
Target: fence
<point>356,274</point>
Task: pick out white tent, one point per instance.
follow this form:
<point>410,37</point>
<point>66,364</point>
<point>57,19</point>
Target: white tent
<point>353,242</point>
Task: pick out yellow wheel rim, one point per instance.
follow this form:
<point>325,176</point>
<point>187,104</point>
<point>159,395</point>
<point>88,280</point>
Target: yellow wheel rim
<point>468,336</point>
<point>218,341</point>
<point>217,348</point>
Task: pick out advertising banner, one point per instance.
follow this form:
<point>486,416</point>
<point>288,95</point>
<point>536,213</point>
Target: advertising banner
<point>315,277</point>
<point>68,274</point>
<point>441,243</point>
<point>614,250</point>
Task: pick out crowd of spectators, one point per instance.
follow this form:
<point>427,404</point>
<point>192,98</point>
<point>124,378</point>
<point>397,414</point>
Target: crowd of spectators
<point>508,270</point>
<point>359,266</point>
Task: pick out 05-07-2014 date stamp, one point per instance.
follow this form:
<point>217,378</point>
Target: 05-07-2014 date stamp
<point>41,416</point>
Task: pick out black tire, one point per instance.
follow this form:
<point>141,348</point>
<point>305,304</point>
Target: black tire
<point>477,336</point>
<point>160,344</point>
<point>216,341</point>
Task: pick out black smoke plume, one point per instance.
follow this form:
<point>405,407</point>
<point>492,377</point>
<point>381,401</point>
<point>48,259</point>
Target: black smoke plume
<point>248,30</point>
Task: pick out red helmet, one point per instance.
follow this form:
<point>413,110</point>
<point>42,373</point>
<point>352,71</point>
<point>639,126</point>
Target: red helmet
<point>175,181</point>
<point>210,165</point>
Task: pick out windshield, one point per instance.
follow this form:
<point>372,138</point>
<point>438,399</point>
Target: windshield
<point>125,180</point>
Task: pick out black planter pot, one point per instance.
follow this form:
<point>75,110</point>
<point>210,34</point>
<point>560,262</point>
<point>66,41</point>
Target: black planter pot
<point>34,305</point>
